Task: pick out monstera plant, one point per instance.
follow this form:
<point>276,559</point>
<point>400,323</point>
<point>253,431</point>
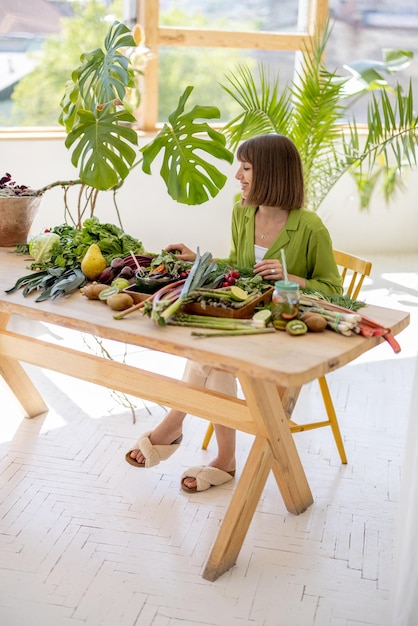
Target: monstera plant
<point>98,118</point>
<point>313,110</point>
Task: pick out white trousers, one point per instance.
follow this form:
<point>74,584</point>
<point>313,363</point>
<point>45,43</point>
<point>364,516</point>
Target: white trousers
<point>210,378</point>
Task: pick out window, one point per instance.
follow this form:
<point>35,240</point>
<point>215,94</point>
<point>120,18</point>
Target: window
<point>191,42</point>
<point>40,44</point>
<point>197,43</point>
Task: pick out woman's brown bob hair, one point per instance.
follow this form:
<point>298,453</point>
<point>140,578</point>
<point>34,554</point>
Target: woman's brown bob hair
<point>277,172</point>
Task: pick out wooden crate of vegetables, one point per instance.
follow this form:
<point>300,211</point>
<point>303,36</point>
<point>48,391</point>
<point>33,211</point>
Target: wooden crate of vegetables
<point>232,302</point>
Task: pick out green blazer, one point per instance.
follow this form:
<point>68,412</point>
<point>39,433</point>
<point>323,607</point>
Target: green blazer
<point>307,245</point>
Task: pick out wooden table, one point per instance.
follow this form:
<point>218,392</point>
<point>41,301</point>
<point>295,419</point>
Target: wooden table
<point>271,369</point>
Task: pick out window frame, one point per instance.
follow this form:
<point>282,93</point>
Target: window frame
<point>156,36</point>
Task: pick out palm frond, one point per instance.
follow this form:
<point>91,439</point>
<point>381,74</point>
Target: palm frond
<point>311,111</point>
<point>316,120</point>
<point>391,144</point>
<point>264,109</point>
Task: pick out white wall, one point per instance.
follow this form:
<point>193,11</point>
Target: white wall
<point>404,596</point>
<point>149,214</point>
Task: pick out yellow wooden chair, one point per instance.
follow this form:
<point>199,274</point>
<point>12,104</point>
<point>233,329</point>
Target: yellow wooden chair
<point>353,272</point>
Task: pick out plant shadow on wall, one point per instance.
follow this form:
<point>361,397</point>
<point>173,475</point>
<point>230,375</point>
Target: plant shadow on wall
<point>313,110</point>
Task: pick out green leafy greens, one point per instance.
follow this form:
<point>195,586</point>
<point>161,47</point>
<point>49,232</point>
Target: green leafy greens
<point>73,244</point>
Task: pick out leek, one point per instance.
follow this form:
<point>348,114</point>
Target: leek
<point>201,269</point>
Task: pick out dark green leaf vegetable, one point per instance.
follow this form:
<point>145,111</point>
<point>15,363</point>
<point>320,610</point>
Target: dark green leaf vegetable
<point>23,281</point>
<point>50,283</point>
<point>61,274</point>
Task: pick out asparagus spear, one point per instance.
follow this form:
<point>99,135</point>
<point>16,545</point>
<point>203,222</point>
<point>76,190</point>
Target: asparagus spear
<point>228,333</point>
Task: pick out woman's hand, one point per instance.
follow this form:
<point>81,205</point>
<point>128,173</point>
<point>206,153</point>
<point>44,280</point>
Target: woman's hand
<point>269,269</point>
<point>182,252</point>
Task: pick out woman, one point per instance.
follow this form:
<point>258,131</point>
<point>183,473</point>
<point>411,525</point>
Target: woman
<point>268,218</point>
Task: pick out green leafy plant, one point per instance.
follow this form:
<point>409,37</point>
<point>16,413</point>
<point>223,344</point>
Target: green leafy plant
<point>94,112</point>
<point>313,112</point>
<point>189,178</point>
<point>99,122</point>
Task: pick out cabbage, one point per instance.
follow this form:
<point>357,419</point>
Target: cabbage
<point>40,247</point>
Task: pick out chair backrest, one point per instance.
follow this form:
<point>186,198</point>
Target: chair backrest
<point>353,269</point>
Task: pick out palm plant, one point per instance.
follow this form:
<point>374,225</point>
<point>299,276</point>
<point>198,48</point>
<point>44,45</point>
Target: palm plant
<point>312,111</point>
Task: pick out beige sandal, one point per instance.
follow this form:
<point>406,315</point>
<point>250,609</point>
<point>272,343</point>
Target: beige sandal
<point>153,454</point>
<point>206,477</point>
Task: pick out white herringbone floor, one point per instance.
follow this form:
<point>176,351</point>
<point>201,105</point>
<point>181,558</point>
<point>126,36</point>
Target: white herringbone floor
<point>87,539</point>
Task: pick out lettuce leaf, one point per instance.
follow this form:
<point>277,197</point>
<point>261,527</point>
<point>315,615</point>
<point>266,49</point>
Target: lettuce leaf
<point>41,246</point>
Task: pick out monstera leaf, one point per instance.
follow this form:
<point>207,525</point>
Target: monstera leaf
<point>104,74</point>
<point>103,151</point>
<point>190,179</point>
<point>95,115</point>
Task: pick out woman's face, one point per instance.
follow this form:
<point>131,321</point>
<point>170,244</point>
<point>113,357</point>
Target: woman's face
<point>245,177</point>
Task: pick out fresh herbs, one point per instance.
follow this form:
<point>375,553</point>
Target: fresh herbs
<point>344,301</point>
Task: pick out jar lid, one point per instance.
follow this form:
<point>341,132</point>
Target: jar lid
<point>283,285</point>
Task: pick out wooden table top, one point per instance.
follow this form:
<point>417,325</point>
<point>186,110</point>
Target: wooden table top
<point>275,357</point>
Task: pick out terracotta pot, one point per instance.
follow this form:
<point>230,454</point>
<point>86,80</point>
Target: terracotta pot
<point>16,217</point>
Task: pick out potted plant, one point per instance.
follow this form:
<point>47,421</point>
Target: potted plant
<point>98,118</point>
<point>18,207</point>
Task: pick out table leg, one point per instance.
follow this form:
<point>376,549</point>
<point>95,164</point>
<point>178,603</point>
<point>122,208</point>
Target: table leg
<point>271,421</point>
<point>240,511</point>
<point>289,396</point>
<point>273,448</point>
<point>19,382</point>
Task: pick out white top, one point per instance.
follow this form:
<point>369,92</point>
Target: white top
<point>259,253</point>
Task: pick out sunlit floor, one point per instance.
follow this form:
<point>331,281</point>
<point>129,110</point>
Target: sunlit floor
<point>87,539</point>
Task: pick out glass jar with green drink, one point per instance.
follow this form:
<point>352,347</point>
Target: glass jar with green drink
<point>285,300</point>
